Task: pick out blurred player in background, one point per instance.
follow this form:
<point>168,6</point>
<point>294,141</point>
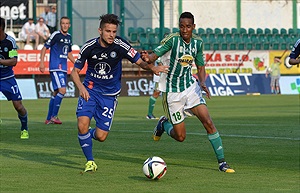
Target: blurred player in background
<point>8,83</point>
<point>274,71</point>
<point>60,43</point>
<point>180,90</point>
<point>102,83</point>
<point>155,95</point>
<point>294,55</point>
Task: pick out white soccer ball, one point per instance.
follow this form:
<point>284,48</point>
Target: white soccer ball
<point>154,168</point>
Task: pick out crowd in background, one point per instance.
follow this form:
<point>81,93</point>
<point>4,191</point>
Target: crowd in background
<point>39,32</point>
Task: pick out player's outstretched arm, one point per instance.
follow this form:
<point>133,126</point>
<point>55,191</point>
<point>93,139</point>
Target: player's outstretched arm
<point>71,57</point>
<point>150,66</point>
<point>202,76</point>
<point>42,65</point>
<point>8,62</point>
<point>76,79</point>
<point>293,61</point>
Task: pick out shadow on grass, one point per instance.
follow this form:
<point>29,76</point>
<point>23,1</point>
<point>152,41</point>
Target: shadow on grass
<point>44,158</point>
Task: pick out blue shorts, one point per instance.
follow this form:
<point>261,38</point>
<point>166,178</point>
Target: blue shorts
<point>10,89</point>
<point>101,107</point>
<point>59,79</point>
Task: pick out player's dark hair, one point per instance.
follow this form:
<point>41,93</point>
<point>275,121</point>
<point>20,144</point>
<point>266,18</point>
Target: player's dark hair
<point>188,15</point>
<point>109,18</point>
<point>2,23</point>
<point>64,17</point>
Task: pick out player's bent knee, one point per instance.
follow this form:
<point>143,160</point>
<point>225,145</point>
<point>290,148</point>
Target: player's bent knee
<point>180,138</point>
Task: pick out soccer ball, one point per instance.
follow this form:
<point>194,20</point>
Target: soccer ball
<point>154,168</point>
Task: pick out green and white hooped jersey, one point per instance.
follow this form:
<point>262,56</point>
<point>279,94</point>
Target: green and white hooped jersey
<point>180,56</point>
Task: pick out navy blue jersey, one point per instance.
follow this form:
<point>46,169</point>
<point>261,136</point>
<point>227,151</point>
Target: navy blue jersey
<point>104,68</point>
<point>8,49</point>
<point>60,45</point>
<point>296,50</point>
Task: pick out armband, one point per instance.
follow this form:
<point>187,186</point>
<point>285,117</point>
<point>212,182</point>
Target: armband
<point>12,53</point>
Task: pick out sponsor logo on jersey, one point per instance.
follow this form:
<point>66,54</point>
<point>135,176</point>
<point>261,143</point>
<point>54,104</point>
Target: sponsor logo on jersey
<point>132,52</point>
<point>186,60</point>
<point>113,54</point>
<point>102,70</point>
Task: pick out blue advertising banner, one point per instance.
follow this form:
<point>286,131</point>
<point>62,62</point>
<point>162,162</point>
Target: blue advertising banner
<point>237,84</point>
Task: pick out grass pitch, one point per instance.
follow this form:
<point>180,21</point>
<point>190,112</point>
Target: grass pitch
<point>260,135</point>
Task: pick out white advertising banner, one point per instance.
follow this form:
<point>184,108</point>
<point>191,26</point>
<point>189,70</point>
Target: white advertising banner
<point>26,87</point>
<point>238,61</point>
<point>289,84</point>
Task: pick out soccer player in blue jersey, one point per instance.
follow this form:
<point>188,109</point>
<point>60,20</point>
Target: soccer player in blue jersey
<point>8,83</point>
<point>60,43</point>
<point>181,91</point>
<point>102,83</point>
<point>294,55</point>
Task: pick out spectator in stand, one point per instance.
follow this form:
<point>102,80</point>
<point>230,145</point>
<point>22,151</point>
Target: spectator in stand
<point>28,32</point>
<point>46,14</point>
<point>42,30</point>
<point>274,71</point>
<point>52,20</point>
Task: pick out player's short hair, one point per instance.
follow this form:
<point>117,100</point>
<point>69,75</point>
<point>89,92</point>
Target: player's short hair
<point>2,23</point>
<point>109,18</point>
<point>188,15</point>
<point>64,17</point>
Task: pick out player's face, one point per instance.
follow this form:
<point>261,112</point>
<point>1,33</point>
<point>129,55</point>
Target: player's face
<point>65,25</point>
<point>108,33</point>
<point>186,28</point>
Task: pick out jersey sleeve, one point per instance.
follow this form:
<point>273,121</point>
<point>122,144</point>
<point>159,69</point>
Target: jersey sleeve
<point>133,55</point>
<point>12,53</point>
<point>199,60</point>
<point>51,41</point>
<point>166,45</point>
<point>82,57</point>
<point>296,50</point>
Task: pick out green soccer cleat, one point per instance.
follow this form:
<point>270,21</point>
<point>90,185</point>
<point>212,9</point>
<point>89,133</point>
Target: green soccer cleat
<point>24,134</point>
<point>90,166</point>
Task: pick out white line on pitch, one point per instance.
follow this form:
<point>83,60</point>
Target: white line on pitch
<point>226,135</point>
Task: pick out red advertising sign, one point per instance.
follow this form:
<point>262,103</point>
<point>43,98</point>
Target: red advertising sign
<point>29,61</point>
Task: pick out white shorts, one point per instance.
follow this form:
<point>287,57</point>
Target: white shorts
<point>176,103</point>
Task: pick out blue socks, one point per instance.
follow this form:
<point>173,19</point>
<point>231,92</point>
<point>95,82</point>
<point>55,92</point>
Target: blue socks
<point>85,141</point>
<point>56,104</point>
<point>24,121</point>
<point>50,109</point>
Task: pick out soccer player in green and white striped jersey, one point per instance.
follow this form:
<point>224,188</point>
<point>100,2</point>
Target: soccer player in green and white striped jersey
<point>181,91</point>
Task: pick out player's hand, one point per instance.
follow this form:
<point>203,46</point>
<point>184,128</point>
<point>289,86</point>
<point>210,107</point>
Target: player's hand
<point>145,56</point>
<point>205,89</point>
<point>42,67</point>
<point>157,69</point>
<point>84,93</point>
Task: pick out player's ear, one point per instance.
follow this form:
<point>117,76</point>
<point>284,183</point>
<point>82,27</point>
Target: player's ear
<point>100,31</point>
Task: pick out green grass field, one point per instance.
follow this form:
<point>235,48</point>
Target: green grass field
<point>260,134</point>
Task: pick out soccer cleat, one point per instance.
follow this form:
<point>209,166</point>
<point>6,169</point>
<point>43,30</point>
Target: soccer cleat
<point>24,134</point>
<point>159,129</point>
<point>224,167</point>
<point>48,122</point>
<point>56,120</point>
<point>90,166</point>
<point>151,116</point>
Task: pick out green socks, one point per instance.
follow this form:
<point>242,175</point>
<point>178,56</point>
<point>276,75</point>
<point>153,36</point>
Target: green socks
<point>216,143</point>
<point>152,101</point>
<point>168,127</point>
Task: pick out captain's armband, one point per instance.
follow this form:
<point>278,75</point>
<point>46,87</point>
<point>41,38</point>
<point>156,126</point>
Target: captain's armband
<point>12,53</point>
